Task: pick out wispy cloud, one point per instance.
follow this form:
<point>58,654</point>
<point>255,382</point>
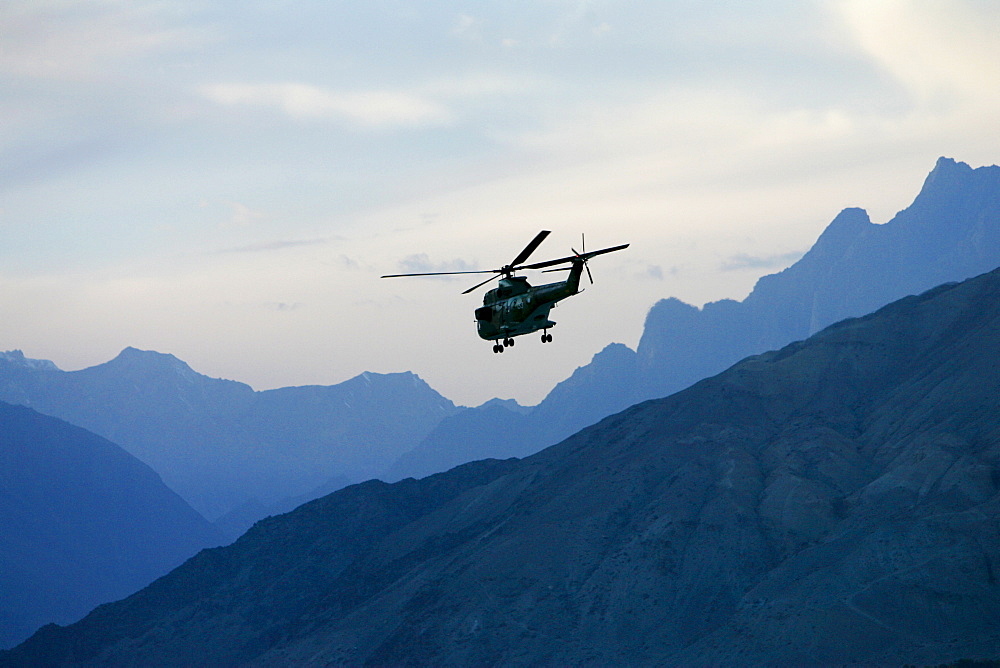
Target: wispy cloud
<point>468,28</point>
<point>421,263</point>
<point>937,50</point>
<point>269,246</point>
<point>283,306</point>
<point>653,271</point>
<point>85,41</point>
<point>301,101</point>
<point>244,215</point>
<point>743,261</point>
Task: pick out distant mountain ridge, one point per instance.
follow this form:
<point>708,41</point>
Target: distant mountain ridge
<point>236,453</point>
<point>950,232</point>
<point>833,502</point>
<point>219,443</point>
<point>82,522</point>
<point>16,357</point>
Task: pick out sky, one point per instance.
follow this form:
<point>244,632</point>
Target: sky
<point>226,181</point>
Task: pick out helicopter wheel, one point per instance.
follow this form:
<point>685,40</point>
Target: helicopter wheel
<point>508,343</point>
<point>546,338</point>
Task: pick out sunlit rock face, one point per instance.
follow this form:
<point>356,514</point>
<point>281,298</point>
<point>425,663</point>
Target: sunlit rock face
<point>832,502</point>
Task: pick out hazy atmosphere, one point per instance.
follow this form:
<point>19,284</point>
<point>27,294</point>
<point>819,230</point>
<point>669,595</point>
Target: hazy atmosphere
<point>226,182</point>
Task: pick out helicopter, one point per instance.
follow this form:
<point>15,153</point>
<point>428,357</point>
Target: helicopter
<point>515,307</point>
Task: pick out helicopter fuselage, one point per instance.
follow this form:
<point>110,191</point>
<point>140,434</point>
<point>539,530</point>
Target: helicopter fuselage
<point>515,307</point>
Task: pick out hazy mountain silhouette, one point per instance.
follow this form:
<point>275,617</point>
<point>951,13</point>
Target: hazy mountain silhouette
<point>950,232</point>
<point>833,502</point>
<point>220,444</point>
<point>82,522</point>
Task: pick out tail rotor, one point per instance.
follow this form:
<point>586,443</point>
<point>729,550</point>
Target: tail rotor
<point>583,256</point>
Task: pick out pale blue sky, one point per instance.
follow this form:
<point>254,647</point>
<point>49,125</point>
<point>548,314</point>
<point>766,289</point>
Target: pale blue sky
<point>226,181</point>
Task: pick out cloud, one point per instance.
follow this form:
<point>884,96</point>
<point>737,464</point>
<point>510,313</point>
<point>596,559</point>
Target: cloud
<point>420,263</point>
<point>244,215</point>
<point>654,271</point>
<point>300,101</point>
<point>468,28</point>
<point>742,261</point>
<point>269,246</point>
<point>935,49</point>
<point>345,262</point>
<point>85,41</point>
<point>283,306</point>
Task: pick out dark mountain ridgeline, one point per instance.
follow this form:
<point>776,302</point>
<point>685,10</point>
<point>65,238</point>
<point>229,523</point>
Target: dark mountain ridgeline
<point>219,443</point>
<point>82,522</point>
<point>950,232</point>
<point>836,501</point>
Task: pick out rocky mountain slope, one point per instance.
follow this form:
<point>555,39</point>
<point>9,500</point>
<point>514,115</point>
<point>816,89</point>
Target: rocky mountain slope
<point>950,232</point>
<point>220,444</point>
<point>836,501</point>
<point>82,522</point>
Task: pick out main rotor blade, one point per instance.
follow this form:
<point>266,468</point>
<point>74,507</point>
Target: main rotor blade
<point>442,273</point>
<point>530,248</point>
<point>479,285</point>
<point>571,258</point>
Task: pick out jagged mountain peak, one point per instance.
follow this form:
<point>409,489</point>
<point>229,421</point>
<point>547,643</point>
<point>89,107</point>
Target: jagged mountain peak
<point>134,358</point>
<point>944,169</point>
<point>17,358</point>
<point>951,197</point>
<point>505,404</point>
<point>614,351</point>
<point>843,230</point>
<point>407,378</point>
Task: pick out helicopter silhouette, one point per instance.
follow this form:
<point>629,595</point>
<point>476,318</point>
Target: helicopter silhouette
<point>515,307</point>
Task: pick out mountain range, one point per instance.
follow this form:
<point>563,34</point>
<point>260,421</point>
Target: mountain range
<point>82,522</point>
<point>237,455</point>
<point>221,445</point>
<point>950,232</point>
<point>835,501</point>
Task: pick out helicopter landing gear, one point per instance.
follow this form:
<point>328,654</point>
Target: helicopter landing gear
<point>499,347</point>
<point>546,337</point>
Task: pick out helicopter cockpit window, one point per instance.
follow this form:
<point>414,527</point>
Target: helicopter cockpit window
<point>484,313</point>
